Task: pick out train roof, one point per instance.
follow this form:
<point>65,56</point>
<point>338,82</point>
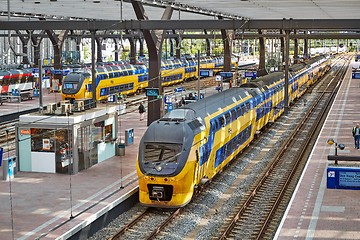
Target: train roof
<point>264,80</point>
<point>296,67</point>
<point>207,105</point>
<point>315,59</point>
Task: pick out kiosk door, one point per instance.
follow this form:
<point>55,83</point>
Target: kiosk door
<point>86,149</point>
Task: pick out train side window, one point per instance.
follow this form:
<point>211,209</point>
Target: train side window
<point>243,109</point>
<point>213,127</point>
<point>233,143</point>
<point>221,121</point>
<point>227,117</point>
<point>238,111</point>
<point>112,90</point>
<point>233,115</point>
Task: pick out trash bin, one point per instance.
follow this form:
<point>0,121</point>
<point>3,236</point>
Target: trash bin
<point>120,149</point>
<point>8,167</point>
<point>129,136</point>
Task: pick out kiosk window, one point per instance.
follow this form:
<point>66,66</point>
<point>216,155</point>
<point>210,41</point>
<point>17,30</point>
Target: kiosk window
<point>108,133</point>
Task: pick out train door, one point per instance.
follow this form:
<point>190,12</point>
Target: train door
<point>197,168</point>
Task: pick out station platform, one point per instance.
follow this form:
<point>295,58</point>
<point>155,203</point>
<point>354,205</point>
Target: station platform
<point>13,105</point>
<point>316,212</point>
<point>50,206</point>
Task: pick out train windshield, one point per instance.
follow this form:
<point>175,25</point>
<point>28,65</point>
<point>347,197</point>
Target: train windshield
<point>67,85</point>
<point>161,153</point>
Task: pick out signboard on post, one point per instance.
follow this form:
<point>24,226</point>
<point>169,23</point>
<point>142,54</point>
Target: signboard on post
<point>250,74</point>
<point>218,78</point>
<point>343,178</point>
<point>226,74</point>
<point>206,73</point>
<point>152,92</point>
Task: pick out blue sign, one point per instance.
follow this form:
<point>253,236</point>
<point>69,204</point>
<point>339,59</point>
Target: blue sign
<point>15,92</point>
<point>152,92</point>
<point>111,98</point>
<point>356,75</point>
<point>129,136</point>
<point>204,73</point>
<point>35,70</point>
<point>167,99</point>
<point>343,178</point>
<point>179,89</point>
<point>250,74</point>
<point>56,71</point>
<point>1,155</point>
<point>169,107</point>
<point>226,74</point>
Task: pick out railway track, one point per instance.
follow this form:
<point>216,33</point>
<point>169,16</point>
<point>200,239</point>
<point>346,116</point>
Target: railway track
<point>7,136</point>
<point>203,217</point>
<point>146,225</point>
<point>259,213</point>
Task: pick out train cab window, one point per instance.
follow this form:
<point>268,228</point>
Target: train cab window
<point>227,117</point>
<point>161,153</point>
<point>70,85</point>
<point>221,121</point>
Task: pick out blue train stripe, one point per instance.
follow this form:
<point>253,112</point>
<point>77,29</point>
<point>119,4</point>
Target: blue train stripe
<point>232,145</point>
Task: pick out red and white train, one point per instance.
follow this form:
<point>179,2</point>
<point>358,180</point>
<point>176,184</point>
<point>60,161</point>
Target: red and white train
<point>17,82</point>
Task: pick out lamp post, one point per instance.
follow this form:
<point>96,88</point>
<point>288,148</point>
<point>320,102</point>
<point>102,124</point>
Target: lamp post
<point>341,146</point>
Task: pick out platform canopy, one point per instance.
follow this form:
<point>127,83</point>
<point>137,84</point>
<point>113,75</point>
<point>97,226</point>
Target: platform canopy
<point>184,9</point>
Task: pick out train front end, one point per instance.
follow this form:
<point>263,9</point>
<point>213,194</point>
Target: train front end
<point>75,86</point>
<point>165,166</point>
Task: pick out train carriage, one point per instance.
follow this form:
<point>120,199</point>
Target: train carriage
<point>109,80</point>
<point>206,136</point>
<point>190,68</point>
<point>269,101</point>
<point>20,80</point>
<point>299,73</point>
<point>172,72</point>
<point>124,78</point>
<point>318,66</point>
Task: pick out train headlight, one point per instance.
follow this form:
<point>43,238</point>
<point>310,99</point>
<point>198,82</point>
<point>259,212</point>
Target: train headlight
<point>158,168</point>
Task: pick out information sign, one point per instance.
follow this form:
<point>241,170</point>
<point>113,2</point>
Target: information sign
<point>226,74</point>
<point>204,73</point>
<point>218,78</point>
<point>250,74</point>
<point>343,178</point>
<point>152,92</point>
<point>356,75</point>
<point>179,89</point>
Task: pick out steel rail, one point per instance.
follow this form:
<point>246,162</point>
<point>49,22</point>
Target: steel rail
<point>266,175</point>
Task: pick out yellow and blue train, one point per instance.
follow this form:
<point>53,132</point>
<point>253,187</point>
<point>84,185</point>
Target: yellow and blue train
<point>114,78</point>
<point>208,134</point>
